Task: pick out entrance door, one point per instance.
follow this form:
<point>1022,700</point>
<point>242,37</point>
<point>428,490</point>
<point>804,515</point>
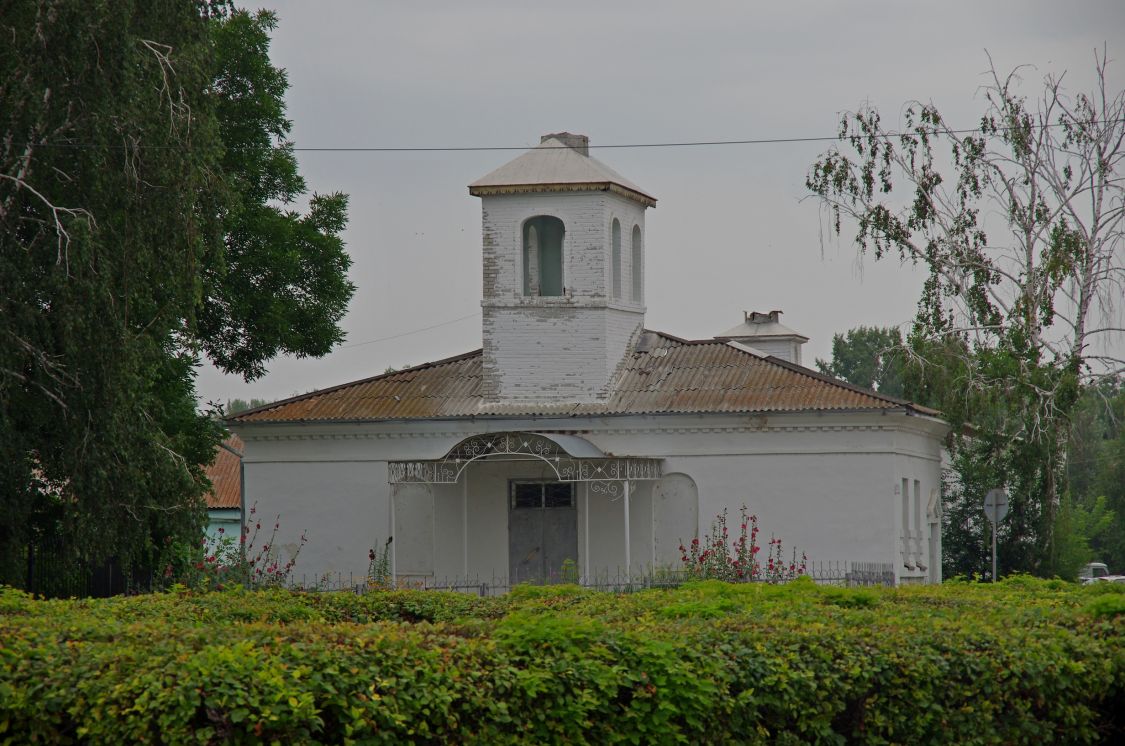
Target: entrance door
<point>542,532</point>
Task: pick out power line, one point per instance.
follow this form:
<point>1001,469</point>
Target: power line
<point>611,146</point>
<point>407,334</point>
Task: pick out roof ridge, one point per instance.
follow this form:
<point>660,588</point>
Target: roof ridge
<point>726,378</point>
<point>806,371</point>
<point>824,378</point>
<point>360,382</point>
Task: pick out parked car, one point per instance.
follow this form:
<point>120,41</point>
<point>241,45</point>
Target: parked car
<point>1093,571</point>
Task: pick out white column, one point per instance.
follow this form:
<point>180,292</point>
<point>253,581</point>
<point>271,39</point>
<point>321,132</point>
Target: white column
<point>465,525</point>
<point>628,547</point>
<point>586,538</point>
<point>391,534</point>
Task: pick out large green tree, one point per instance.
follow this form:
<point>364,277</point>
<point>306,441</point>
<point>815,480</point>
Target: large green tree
<point>868,356</point>
<point>1096,476</point>
<point>144,178</point>
<point>1019,224</point>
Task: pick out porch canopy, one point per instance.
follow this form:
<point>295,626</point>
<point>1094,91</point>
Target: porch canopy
<point>573,459</point>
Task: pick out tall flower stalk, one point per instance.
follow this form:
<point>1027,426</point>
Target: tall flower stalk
<point>718,557</point>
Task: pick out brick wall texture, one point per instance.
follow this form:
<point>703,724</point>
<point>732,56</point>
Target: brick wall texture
<point>564,348</point>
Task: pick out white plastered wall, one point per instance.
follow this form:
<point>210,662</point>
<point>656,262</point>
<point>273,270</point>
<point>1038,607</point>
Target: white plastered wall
<point>825,484</point>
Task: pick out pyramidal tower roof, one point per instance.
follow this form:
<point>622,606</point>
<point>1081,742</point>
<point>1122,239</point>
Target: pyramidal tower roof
<point>762,326</point>
<point>560,163</point>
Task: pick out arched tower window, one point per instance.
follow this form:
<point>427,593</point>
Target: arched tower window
<point>542,256</point>
<point>638,284</point>
<point>616,259</point>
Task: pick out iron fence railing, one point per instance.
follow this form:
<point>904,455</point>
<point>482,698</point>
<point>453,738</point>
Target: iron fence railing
<point>51,568</point>
<point>843,574</point>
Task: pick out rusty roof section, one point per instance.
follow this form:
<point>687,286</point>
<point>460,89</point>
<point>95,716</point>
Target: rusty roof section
<point>664,375</point>
<point>225,476</point>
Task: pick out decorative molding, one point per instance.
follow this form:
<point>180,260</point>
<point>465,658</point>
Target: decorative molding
<point>585,429</point>
<point>419,435</point>
<point>589,186</point>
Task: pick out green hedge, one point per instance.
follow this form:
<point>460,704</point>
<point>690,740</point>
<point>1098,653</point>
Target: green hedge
<point>1026,661</point>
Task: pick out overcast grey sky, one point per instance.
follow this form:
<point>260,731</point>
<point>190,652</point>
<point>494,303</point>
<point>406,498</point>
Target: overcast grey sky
<point>729,233</point>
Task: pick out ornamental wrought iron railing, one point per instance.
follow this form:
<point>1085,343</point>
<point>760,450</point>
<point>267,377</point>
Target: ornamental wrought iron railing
<point>568,467</point>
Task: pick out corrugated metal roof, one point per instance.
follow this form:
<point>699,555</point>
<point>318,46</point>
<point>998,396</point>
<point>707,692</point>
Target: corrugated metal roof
<point>225,476</point>
<point>552,162</point>
<point>671,376</point>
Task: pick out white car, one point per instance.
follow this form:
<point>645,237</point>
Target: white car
<point>1093,571</point>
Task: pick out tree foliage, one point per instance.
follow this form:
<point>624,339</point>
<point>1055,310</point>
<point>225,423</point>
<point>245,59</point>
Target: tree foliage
<point>279,285</point>
<point>142,156</point>
<point>1019,224</point>
<point>234,406</point>
<point>870,357</point>
<point>1096,475</point>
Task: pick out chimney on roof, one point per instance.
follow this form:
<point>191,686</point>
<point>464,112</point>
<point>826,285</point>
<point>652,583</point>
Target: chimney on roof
<point>757,317</point>
<point>578,143</point>
<point>765,333</point>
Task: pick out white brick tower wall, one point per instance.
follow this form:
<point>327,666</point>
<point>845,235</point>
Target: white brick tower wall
<point>564,348</point>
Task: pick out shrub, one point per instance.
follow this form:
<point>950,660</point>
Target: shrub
<point>710,662</point>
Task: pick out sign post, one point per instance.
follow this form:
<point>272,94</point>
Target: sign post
<point>995,508</point>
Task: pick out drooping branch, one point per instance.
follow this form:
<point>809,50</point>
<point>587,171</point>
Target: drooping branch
<point>57,213</point>
<point>1020,227</point>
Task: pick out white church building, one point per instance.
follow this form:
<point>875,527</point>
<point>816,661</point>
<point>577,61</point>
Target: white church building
<point>579,442</point>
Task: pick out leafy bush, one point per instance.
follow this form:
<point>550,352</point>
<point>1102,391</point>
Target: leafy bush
<point>711,662</point>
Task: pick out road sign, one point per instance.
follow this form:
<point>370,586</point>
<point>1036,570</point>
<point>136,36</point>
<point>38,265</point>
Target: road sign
<point>996,505</point>
<point>995,508</point>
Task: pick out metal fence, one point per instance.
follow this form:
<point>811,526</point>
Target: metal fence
<point>52,569</point>
<point>843,574</point>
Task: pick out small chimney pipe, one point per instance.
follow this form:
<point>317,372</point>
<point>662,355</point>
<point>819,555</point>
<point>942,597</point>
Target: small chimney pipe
<point>578,143</point>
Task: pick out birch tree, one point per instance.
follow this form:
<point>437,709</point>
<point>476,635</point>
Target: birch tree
<point>1018,222</point>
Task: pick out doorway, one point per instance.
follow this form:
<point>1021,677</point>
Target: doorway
<point>542,532</point>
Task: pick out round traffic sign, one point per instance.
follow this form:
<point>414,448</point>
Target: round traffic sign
<point>996,505</point>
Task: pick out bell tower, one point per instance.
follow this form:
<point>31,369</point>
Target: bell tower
<point>563,259</point>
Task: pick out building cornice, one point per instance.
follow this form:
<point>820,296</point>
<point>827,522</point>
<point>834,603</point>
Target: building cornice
<point>591,186</point>
<point>639,430</point>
